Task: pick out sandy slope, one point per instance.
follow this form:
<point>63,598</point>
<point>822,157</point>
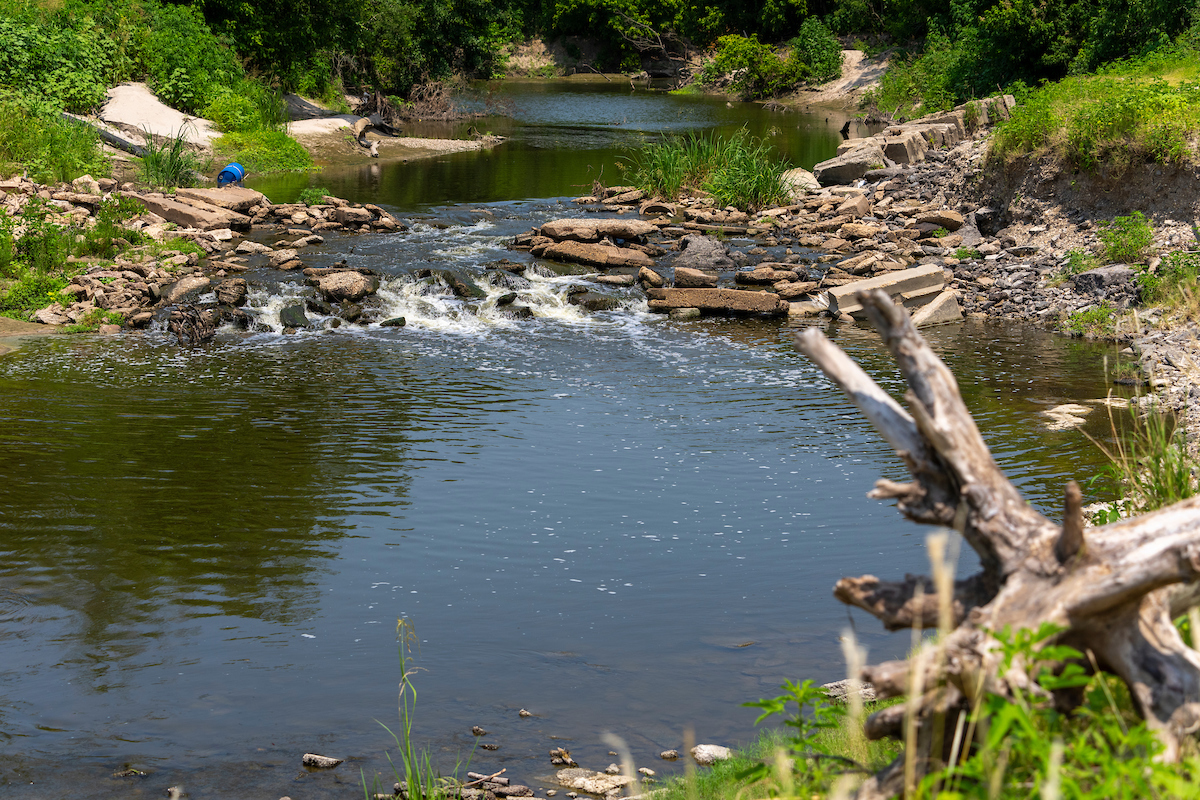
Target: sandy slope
<point>133,107</point>
<point>859,74</point>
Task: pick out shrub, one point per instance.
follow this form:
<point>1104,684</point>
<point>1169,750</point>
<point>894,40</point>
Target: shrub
<point>265,151</point>
<point>313,195</point>
<point>183,60</point>
<point>1175,280</point>
<point>1126,239</point>
<point>247,106</point>
<point>1098,321</point>
<point>100,239</point>
<point>816,52</point>
<point>48,147</point>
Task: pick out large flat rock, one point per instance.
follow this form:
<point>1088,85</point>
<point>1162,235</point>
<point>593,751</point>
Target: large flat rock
<point>194,214</point>
<point>602,256</point>
<point>231,198</point>
<point>593,230</point>
<point>718,301</point>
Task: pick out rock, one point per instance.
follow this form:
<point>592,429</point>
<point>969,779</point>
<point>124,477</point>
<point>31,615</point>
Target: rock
<point>793,290</point>
<point>251,248</point>
<point>593,230</point>
<point>513,790</point>
<point>585,780</point>
<point>280,257</point>
<point>649,773</point>
<point>669,755</point>
<point>989,221</point>
<point>613,769</point>
<point>855,207</point>
<point>86,184</point>
<point>684,314</point>
<point>763,275</point>
<point>478,731</point>
<point>320,762</point>
<point>703,253</point>
<point>1105,281</point>
<point>721,301</point>
<point>919,282</point>
<point>523,713</point>
<point>693,279</point>
<point>232,292</point>
<point>906,147</point>
<point>194,214</point>
<point>799,182</point>
<point>351,286</point>
<point>232,198</point>
<point>708,754</point>
<point>351,215</point>
<point>596,255</point>
<point>615,280</point>
<point>942,309</point>
<point>648,277</point>
<point>851,166</point>
<point>594,301</point>
<point>293,317</point>
<point>394,322</point>
<point>839,691</point>
<point>108,330</point>
<point>858,230</point>
<point>51,315</point>
<point>174,292</point>
<point>950,220</point>
<point>560,756</point>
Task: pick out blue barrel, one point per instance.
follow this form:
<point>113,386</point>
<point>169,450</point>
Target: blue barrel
<point>233,173</point>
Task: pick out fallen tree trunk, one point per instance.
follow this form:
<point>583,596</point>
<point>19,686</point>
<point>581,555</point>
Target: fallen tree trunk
<point>109,137</point>
<point>1113,591</point>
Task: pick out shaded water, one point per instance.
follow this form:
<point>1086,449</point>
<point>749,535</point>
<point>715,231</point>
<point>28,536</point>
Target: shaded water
<point>618,522</point>
<point>561,137</point>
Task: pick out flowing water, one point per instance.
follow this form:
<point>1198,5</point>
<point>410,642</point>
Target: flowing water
<point>618,522</point>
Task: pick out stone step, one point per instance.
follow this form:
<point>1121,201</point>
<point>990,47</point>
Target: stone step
<point>196,214</point>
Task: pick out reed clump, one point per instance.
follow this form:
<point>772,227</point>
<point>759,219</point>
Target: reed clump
<point>739,170</point>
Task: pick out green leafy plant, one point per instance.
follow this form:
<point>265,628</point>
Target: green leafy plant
<point>101,239</point>
<point>91,321</point>
<point>1126,239</point>
<point>264,151</point>
<point>967,253</point>
<point>1099,321</point>
<point>37,140</point>
<point>313,195</point>
<point>1174,282</point>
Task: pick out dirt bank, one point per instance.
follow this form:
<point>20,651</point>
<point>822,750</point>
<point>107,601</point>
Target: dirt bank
<point>859,75</point>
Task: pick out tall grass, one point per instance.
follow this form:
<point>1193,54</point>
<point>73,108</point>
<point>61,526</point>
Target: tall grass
<point>416,769</point>
<point>169,161</point>
<point>1115,119</point>
<point>740,170</point>
<point>47,147</point>
<point>1150,466</point>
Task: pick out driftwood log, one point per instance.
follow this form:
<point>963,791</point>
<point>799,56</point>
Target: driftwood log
<point>1113,590</point>
<point>190,324</point>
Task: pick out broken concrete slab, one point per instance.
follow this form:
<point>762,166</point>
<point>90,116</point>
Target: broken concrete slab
<point>195,214</point>
<point>718,301</point>
<point>850,166</point>
<point>231,198</point>
<point>942,309</point>
<point>842,299</point>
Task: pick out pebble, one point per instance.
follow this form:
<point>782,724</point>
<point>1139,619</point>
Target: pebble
<point>669,755</point>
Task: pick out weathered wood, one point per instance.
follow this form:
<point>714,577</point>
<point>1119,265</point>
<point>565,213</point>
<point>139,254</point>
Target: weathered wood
<point>1114,592</point>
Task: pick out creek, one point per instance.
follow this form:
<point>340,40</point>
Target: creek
<point>618,522</point>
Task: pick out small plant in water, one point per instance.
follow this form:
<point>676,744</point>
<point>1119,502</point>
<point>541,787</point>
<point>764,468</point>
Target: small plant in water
<point>313,195</point>
<point>416,770</point>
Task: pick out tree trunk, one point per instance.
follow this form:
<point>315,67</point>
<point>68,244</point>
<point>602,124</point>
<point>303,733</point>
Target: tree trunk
<point>1114,590</point>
